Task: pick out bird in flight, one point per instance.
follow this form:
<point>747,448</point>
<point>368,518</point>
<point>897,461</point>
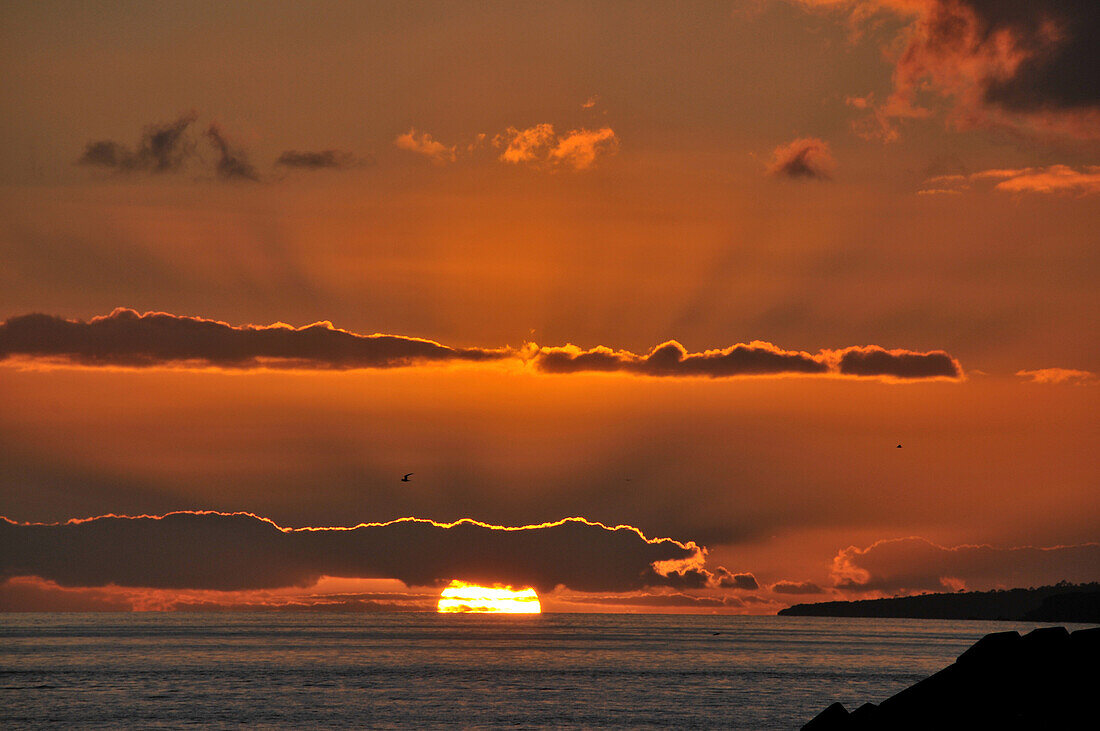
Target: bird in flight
<point>899,446</point>
<point>406,477</point>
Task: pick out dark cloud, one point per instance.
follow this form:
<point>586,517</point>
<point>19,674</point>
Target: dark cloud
<point>126,338</point>
<point>1061,53</point>
<point>914,564</point>
<point>322,159</point>
<point>1021,64</point>
<point>671,359</point>
<point>728,580</point>
<point>875,361</point>
<point>232,163</point>
<point>232,552</point>
<point>163,148</point>
<point>806,157</point>
<point>796,587</point>
<point>751,359</point>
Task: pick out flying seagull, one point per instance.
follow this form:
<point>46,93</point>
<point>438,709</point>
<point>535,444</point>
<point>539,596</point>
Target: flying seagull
<point>406,477</point>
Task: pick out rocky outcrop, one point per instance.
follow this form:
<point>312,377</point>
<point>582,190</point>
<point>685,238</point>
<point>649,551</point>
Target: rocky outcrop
<point>1046,679</point>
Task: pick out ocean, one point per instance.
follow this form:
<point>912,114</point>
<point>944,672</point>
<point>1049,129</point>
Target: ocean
<point>314,670</point>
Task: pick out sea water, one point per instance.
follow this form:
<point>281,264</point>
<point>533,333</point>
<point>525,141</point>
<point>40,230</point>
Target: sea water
<point>314,670</point>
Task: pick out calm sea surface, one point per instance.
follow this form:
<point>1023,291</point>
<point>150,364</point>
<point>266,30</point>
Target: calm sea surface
<point>427,670</point>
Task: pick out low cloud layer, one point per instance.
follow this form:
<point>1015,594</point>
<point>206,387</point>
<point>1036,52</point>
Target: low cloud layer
<point>1052,179</point>
<point>127,338</point>
<point>906,565</point>
<point>1027,65</point>
<point>751,359</point>
<point>239,551</point>
<point>806,157</point>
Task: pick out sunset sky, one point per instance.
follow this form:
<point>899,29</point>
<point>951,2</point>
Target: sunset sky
<point>648,292</point>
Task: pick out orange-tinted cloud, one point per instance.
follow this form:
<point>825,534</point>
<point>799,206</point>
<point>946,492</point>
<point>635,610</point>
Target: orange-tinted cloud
<point>539,145</point>
<point>1061,179</point>
<point>240,551</point>
<point>422,143</point>
<point>751,359</point>
<point>912,564</point>
<point>805,157</point>
<point>127,338</point>
<point>1060,375</point>
<point>1022,64</point>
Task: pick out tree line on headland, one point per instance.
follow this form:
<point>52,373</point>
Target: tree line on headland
<point>1061,602</point>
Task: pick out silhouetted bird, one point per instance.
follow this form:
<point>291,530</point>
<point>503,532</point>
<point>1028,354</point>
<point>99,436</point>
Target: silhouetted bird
<point>899,446</point>
<point>406,477</point>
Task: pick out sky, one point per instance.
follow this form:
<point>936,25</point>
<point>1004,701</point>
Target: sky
<point>668,307</point>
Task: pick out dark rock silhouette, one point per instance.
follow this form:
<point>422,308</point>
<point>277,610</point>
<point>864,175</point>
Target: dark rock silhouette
<point>1062,602</point>
<point>1044,679</point>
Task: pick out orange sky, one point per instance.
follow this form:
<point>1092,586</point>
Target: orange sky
<point>504,180</point>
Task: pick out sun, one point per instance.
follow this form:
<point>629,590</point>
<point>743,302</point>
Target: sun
<point>471,598</point>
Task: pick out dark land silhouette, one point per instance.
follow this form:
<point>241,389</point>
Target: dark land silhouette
<point>1046,679</point>
<point>1062,602</point>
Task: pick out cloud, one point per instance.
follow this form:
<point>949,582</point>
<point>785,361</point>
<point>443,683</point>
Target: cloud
<point>319,160</point>
<point>725,579</point>
<point>1059,179</point>
<point>580,148</point>
<point>240,551</point>
<point>806,157</point>
<point>672,359</point>
<point>905,565</point>
<point>539,145</point>
<point>127,338</point>
<point>658,600</point>
<point>1059,376</point>
<point>527,145</point>
<point>750,359</point>
<point>591,101</point>
<point>872,360</point>
<point>1026,65</point>
<point>232,163</point>
<point>33,594</point>
<point>796,587</point>
<point>163,148</point>
<point>422,144</point>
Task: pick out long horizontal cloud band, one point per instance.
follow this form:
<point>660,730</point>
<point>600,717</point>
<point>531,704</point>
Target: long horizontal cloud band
<point>240,551</point>
<point>130,339</point>
<point>127,338</point>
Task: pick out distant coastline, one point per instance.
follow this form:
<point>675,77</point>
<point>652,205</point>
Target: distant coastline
<point>1062,602</point>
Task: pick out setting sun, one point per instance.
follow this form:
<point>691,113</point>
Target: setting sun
<point>471,598</point>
